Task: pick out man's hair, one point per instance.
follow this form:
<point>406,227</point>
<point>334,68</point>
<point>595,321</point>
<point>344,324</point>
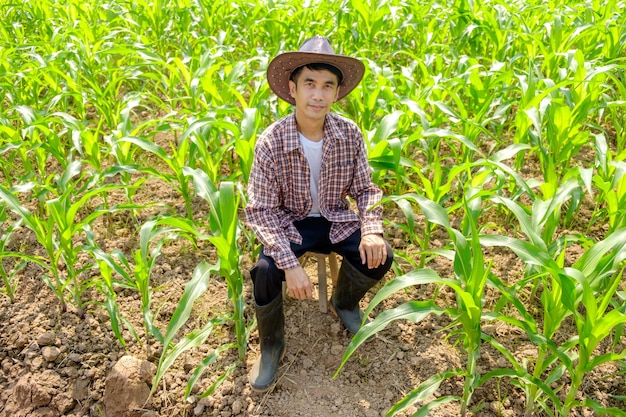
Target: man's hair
<point>317,66</point>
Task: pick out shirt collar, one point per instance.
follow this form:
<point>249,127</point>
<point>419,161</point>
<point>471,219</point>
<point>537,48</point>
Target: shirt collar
<point>292,139</point>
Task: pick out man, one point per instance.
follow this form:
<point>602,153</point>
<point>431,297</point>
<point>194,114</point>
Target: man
<point>305,166</point>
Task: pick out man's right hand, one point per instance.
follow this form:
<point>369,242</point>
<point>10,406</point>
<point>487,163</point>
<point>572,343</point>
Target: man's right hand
<point>298,283</point>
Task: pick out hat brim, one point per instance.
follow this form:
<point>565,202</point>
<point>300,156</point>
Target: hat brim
<point>281,67</point>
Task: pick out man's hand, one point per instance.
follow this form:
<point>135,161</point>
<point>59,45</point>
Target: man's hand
<point>298,283</point>
<point>373,250</point>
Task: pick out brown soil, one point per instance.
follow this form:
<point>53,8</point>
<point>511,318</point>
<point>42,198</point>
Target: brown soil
<point>55,363</point>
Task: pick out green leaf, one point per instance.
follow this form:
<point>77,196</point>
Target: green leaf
<point>425,390</point>
<point>528,252</point>
<point>194,339</point>
<point>201,368</point>
<point>193,289</point>
<point>387,126</point>
<point>411,278</point>
<point>414,311</point>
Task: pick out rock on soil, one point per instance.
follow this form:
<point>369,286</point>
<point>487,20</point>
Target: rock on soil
<point>127,388</point>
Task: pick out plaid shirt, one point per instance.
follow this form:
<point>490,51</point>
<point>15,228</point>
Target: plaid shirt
<point>279,186</point>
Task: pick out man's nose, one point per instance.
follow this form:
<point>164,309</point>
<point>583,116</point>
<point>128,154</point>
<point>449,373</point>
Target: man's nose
<point>317,93</point>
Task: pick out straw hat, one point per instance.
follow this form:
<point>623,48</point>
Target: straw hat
<point>314,50</point>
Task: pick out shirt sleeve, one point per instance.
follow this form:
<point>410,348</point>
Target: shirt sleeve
<point>264,211</point>
<point>365,192</point>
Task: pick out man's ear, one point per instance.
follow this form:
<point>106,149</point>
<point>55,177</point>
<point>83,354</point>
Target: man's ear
<point>292,89</point>
<point>337,93</point>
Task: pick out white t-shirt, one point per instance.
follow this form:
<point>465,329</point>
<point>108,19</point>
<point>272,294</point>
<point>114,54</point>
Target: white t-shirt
<point>313,153</point>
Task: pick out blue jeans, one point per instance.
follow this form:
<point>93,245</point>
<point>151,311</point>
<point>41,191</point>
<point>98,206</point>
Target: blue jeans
<point>267,278</point>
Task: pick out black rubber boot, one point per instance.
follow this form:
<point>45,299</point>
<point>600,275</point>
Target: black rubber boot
<point>271,326</point>
<point>351,287</point>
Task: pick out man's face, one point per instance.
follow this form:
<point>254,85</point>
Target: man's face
<point>314,93</point>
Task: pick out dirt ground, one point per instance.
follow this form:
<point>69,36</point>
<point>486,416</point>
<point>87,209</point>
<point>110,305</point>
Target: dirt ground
<point>55,363</point>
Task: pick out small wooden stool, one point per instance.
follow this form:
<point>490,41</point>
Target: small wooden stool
<point>321,274</point>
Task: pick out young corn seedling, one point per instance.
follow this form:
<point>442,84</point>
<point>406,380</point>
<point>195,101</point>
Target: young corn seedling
<point>555,110</point>
<point>385,153</point>
<point>9,276</point>
<point>66,216</point>
<point>614,108</point>
<point>592,282</point>
<point>599,273</point>
<point>136,275</point>
<point>39,143</point>
<point>43,228</point>
<point>544,255</point>
<point>556,302</point>
<point>610,184</point>
<point>193,290</point>
<point>123,152</point>
<point>540,229</point>
<point>207,151</point>
<point>437,188</point>
<point>244,145</point>
<point>176,162</point>
<point>84,141</point>
<point>109,268</point>
<point>225,230</point>
<point>470,277</point>
<point>9,152</point>
<point>155,233</point>
<point>71,216</point>
<point>215,138</point>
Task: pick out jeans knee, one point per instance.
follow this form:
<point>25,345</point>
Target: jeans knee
<point>262,268</point>
<point>266,280</point>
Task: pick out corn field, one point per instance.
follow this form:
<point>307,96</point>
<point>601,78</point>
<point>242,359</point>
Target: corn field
<point>490,126</point>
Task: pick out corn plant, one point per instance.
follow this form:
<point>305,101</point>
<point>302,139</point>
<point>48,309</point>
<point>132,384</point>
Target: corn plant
<point>122,151</point>
<point>193,290</point>
<point>610,184</point>
<point>10,154</point>
<point>225,228</point>
<point>592,280</point>
<point>554,124</point>
<point>152,236</point>
<point>176,162</point>
<point>614,108</point>
<point>84,141</point>
<point>9,277</point>
<point>470,277</point>
<point>110,266</point>
<point>213,140</point>
<point>544,270</point>
<point>546,214</point>
<point>66,218</point>
<point>385,153</point>
<point>205,147</point>
<point>43,228</point>
<point>440,189</point>
<point>39,144</point>
<point>63,210</point>
<point>442,179</point>
<point>244,146</point>
<point>540,233</point>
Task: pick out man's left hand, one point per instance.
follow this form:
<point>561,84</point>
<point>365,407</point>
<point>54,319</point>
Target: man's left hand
<point>373,250</point>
